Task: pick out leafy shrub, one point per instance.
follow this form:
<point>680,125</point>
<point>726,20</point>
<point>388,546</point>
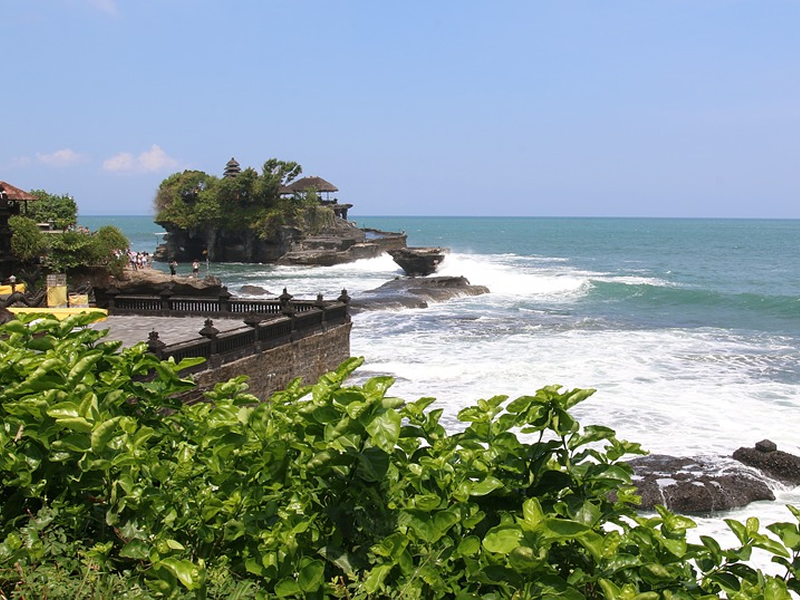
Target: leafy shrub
<point>27,242</point>
<point>328,491</point>
<point>61,211</point>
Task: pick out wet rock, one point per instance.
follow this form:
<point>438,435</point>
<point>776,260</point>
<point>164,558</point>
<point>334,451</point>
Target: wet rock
<point>766,446</point>
<point>415,293</point>
<point>322,257</point>
<point>255,290</point>
<point>765,456</point>
<point>696,485</point>
<point>419,261</point>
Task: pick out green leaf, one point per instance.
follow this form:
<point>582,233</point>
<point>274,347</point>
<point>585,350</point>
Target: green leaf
<point>532,512</point>
<point>391,547</point>
<point>502,539</point>
<point>80,368</point>
<point>564,528</point>
<point>485,486</point>
<point>103,433</point>
<point>373,464</point>
<point>76,442</point>
<point>789,534</point>
<point>286,587</point>
<point>311,576</point>
<point>738,529</point>
<point>186,571</point>
<point>384,430</point>
<point>64,410</point>
<point>135,549</point>
<point>469,546</point>
<point>374,580</point>
<point>75,424</point>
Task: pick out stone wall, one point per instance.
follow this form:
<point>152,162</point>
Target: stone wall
<point>272,370</point>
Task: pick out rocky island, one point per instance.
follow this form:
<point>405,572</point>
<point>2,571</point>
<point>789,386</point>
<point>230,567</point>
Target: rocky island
<point>269,217</point>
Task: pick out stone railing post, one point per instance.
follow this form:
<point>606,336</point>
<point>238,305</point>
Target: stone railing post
<point>344,298</point>
<point>155,345</point>
<point>112,295</point>
<point>210,332</point>
<point>225,300</point>
<point>285,300</point>
<point>320,304</point>
<point>166,296</point>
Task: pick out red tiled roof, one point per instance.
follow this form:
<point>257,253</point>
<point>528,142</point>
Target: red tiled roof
<point>14,193</point>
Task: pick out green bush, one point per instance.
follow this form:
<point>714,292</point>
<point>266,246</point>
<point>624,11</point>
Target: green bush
<point>28,243</point>
<point>328,491</point>
<point>61,211</point>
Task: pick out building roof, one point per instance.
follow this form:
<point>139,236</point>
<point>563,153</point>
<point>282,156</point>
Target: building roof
<point>307,183</point>
<point>232,168</point>
<point>14,193</point>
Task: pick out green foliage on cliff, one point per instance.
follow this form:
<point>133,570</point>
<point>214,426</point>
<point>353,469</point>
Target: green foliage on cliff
<point>111,486</point>
<point>61,211</point>
<point>194,200</point>
<point>27,241</point>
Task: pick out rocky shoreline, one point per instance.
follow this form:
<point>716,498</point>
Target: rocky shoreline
<point>709,484</point>
<point>414,292</point>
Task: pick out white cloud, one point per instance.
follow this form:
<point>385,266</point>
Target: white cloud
<point>149,161</point>
<point>156,159</point>
<point>61,158</point>
<point>120,163</point>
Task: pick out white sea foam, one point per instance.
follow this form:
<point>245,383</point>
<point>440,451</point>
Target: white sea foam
<point>505,276</point>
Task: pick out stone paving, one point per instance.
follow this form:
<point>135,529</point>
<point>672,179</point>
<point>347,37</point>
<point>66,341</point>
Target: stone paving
<point>131,329</point>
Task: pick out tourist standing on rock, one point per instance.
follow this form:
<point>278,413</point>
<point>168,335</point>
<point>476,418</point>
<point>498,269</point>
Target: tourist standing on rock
<point>173,267</point>
<point>195,268</point>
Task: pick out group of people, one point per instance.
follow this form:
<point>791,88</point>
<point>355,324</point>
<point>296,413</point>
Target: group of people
<point>140,260</point>
<point>173,268</point>
<point>144,260</point>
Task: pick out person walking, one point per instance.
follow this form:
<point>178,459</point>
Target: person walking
<point>195,268</point>
<point>173,267</point>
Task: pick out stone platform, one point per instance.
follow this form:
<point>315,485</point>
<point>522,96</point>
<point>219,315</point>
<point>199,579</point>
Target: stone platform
<point>132,329</point>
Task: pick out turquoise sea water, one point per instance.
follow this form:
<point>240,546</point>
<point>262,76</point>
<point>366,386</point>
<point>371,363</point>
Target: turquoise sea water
<point>688,328</point>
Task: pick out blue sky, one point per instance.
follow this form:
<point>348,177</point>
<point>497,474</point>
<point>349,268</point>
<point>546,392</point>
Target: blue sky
<point>685,108</point>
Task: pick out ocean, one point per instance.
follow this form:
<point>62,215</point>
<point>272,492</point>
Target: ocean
<point>689,329</point>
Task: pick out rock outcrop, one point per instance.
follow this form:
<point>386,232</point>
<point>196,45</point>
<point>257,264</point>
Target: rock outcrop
<point>415,293</point>
<point>255,290</point>
<point>696,485</point>
<point>765,456</point>
<point>419,261</point>
<point>338,243</point>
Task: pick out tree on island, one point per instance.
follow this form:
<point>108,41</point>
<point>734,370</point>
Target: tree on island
<point>244,208</point>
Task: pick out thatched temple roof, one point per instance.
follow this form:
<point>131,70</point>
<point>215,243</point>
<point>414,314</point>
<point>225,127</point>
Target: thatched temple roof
<point>316,183</point>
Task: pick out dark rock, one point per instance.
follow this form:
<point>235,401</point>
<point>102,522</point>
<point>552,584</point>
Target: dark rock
<point>152,282</point>
<point>419,261</point>
<point>339,241</point>
<point>766,446</point>
<point>415,293</point>
<point>780,466</point>
<point>6,315</point>
<point>696,485</point>
<point>255,290</point>
<point>322,257</point>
